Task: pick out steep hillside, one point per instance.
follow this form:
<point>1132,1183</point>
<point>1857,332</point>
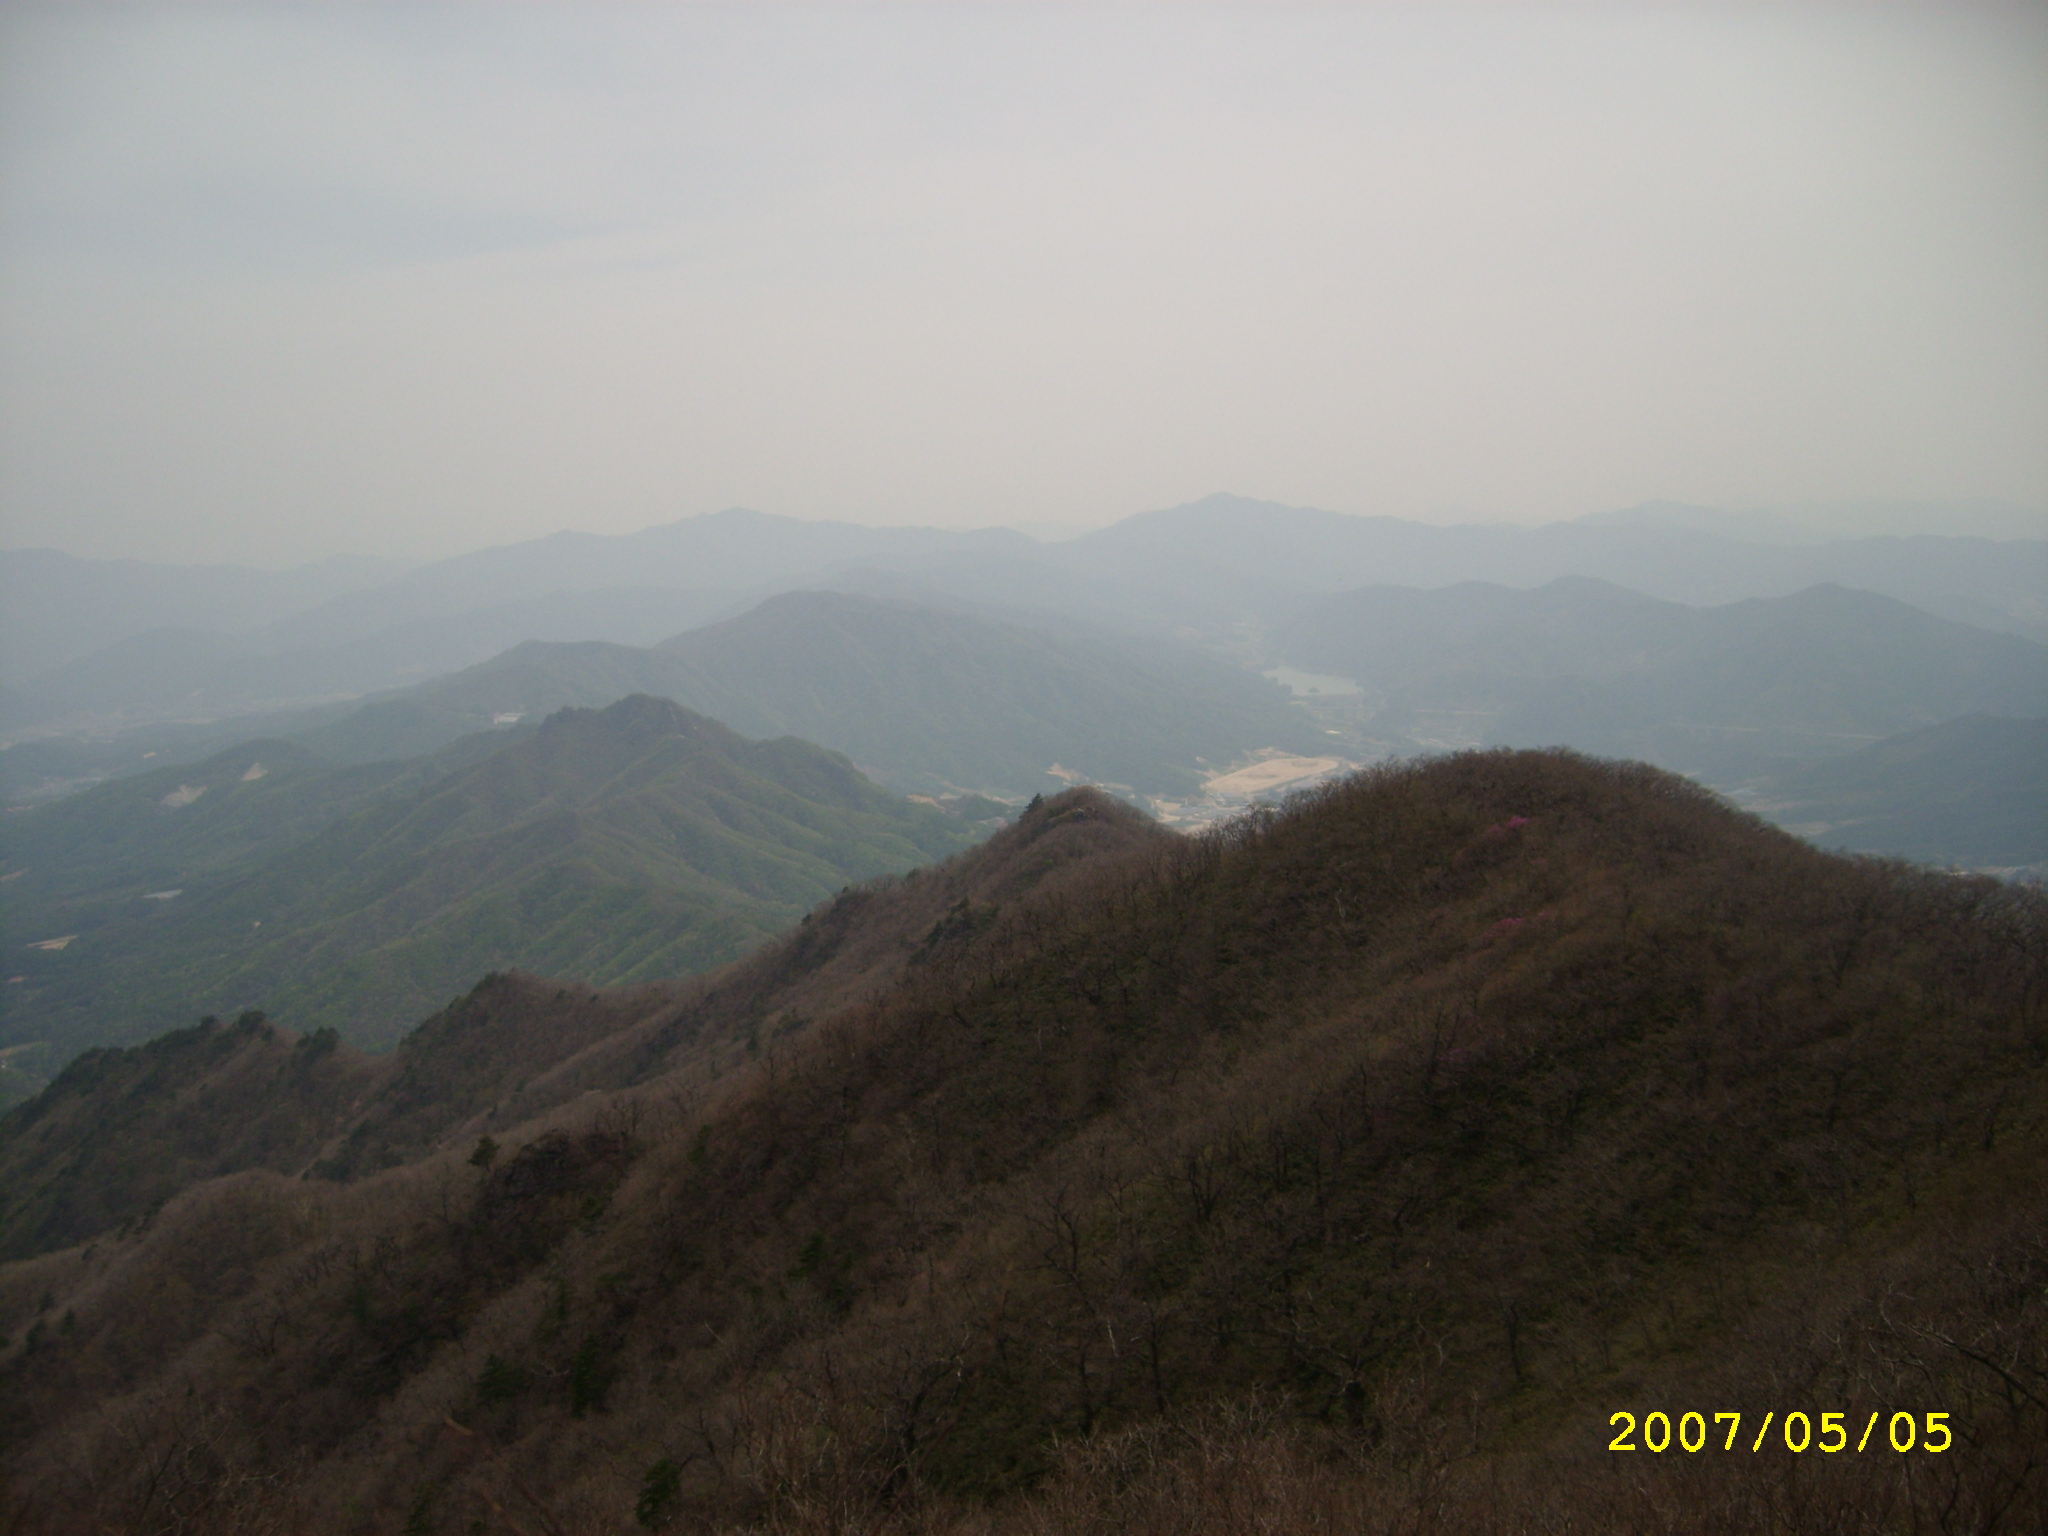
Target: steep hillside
<point>1720,692</point>
<point>121,1131</point>
<point>1344,1171</point>
<point>615,845</point>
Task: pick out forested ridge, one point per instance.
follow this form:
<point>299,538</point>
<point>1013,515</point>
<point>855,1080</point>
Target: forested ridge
<point>1342,1170</point>
<point>620,844</point>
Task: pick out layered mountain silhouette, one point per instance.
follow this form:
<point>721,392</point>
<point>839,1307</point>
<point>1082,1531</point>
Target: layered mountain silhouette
<point>249,632</point>
<point>1970,792</point>
<point>57,608</point>
<point>639,840</point>
<point>928,699</point>
<point>922,698</point>
<point>203,674</point>
<point>1351,1169</point>
<point>91,645</point>
<point>1236,549</point>
<point>1721,692</point>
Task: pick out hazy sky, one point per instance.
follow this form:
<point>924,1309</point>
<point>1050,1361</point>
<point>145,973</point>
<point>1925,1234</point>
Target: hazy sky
<point>278,282</point>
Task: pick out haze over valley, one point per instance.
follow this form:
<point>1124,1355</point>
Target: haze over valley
<point>1010,770</point>
<point>199,825</point>
<point>994,664</point>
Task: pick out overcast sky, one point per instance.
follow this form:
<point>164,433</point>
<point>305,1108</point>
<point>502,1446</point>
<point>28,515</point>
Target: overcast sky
<point>277,283</point>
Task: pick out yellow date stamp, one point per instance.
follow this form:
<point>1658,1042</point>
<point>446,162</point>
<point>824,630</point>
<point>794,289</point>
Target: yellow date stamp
<point>1904,1431</point>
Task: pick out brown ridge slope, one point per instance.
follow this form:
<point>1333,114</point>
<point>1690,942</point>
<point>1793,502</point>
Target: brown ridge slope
<point>121,1131</point>
<point>1345,1171</point>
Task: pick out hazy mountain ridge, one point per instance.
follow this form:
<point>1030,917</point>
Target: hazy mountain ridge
<point>924,698</point>
<point>271,877</point>
<point>932,699</point>
<point>1724,693</point>
<point>209,675</point>
<point>1971,792</point>
<point>961,702</point>
<point>636,841</point>
<point>1229,542</point>
<point>1487,1093</point>
<point>1821,522</point>
<point>736,550</point>
<point>341,616</point>
<point>56,608</point>
<point>1201,569</point>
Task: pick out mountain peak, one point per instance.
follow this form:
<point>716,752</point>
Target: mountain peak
<point>637,714</point>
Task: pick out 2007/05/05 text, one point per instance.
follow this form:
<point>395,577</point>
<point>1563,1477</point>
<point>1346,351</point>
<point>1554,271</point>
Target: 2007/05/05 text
<point>1903,1432</point>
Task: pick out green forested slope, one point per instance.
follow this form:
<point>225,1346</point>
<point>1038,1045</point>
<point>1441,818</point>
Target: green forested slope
<point>636,841</point>
<point>152,831</point>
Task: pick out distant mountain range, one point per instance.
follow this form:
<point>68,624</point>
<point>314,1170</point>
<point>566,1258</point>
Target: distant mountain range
<point>1234,554</point>
<point>84,653</point>
<point>1723,693</point>
<point>376,861</point>
<point>925,699</point>
<point>947,664</point>
<point>1971,792</point>
<point>1822,522</point>
<point>61,609</point>
<point>56,608</point>
<point>205,675</point>
<point>638,841</point>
